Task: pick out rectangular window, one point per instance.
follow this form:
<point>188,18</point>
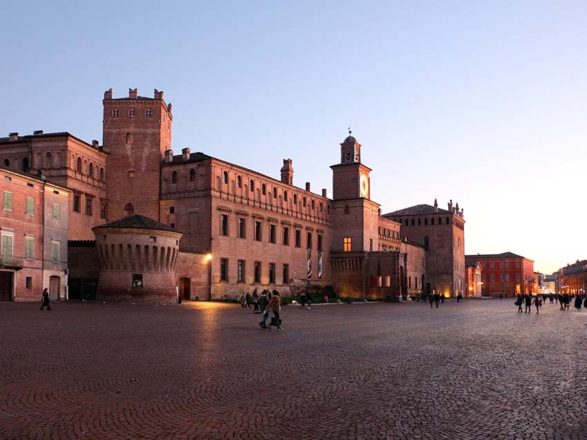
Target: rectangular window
<point>257,271</point>
<point>7,248</point>
<point>103,210</point>
<point>29,247</point>
<point>272,234</point>
<point>77,203</point>
<point>347,244</point>
<point>29,283</point>
<point>172,209</point>
<point>224,270</point>
<point>56,212</point>
<point>257,230</point>
<point>298,238</point>
<point>30,206</point>
<point>7,201</point>
<point>319,242</point>
<point>115,113</point>
<point>309,240</point>
<point>242,228</point>
<point>240,271</point>
<point>148,113</point>
<point>285,274</point>
<point>55,251</point>
<point>131,113</point>
<point>272,273</point>
<point>285,236</point>
<point>224,225</point>
<point>89,205</point>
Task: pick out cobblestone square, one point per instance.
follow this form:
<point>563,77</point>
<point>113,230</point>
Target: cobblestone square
<point>476,370</point>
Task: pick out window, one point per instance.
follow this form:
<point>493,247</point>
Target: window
<point>174,177</point>
<point>252,185</point>
<point>309,240</point>
<point>225,177</point>
<point>128,138</point>
<point>6,163</point>
<point>101,174</point>
<point>240,271</point>
<point>224,270</point>
<point>239,181</point>
<point>264,189</point>
<point>128,209</point>
<point>274,192</point>
<point>313,204</point>
<point>7,201</point>
<point>272,234</point>
<point>55,251</point>
<point>89,205</point>
<point>103,207</point>
<point>79,165</point>
<point>148,113</point>
<point>426,242</point>
<point>447,221</point>
<point>304,201</point>
<point>115,113</point>
<point>285,196</point>
<point>241,228</point>
<point>29,283</point>
<point>346,210</point>
<point>295,199</point>
<point>131,113</point>
<point>257,271</point>
<point>30,206</point>
<point>192,175</point>
<point>56,211</point>
<point>29,247</point>
<point>224,225</point>
<point>419,222</point>
<point>285,274</point>
<point>91,170</point>
<point>432,221</point>
<point>298,238</point>
<point>425,222</point>
<point>286,236</point>
<point>76,203</point>
<point>7,247</point>
<point>257,230</point>
<point>413,222</point>
<point>347,244</point>
<point>319,242</point>
<point>272,273</point>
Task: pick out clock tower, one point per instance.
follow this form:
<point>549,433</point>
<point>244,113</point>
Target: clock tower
<point>355,216</point>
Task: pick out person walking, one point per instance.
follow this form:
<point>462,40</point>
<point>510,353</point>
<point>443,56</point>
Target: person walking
<point>431,299</point>
<point>275,307</point>
<point>436,298</point>
<point>45,299</point>
<point>528,302</point>
<point>578,301</point>
<point>303,299</point>
<point>538,303</point>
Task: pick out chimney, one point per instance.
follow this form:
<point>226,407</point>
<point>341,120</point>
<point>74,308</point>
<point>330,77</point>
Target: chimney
<point>168,156</point>
<point>307,186</point>
<point>158,94</point>
<point>435,205</point>
<point>133,93</point>
<point>287,172</point>
<point>324,194</point>
<point>108,94</point>
<point>37,132</point>
<point>185,153</point>
<point>95,143</point>
<point>13,136</point>
<point>450,205</point>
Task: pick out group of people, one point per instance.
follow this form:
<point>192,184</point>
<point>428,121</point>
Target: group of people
<point>435,298</point>
<point>564,299</point>
<point>264,303</point>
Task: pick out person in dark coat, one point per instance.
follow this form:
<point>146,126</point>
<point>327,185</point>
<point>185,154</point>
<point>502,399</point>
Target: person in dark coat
<point>578,301</point>
<point>45,299</point>
<point>436,298</point>
<point>538,303</point>
<point>519,302</point>
<point>431,299</point>
<point>528,302</point>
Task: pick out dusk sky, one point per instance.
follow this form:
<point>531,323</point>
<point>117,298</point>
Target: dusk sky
<point>481,102</point>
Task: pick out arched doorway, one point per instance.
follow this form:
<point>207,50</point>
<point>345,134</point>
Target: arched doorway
<point>185,288</point>
<point>54,287</point>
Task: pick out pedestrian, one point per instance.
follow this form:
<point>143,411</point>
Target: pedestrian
<point>45,299</point>
<point>436,298</point>
<point>566,301</point>
<point>538,303</point>
<point>519,302</point>
<point>528,302</point>
<point>460,297</point>
<point>303,299</point>
<point>275,307</point>
<point>255,301</point>
<point>585,302</point>
<point>263,301</point>
<point>309,300</point>
<point>431,299</point>
<point>578,301</point>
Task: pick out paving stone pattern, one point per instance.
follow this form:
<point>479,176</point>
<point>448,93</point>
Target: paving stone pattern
<point>476,370</point>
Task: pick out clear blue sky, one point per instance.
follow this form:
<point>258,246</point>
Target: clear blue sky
<point>482,102</point>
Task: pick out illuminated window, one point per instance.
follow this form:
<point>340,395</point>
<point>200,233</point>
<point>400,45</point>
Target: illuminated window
<point>347,244</point>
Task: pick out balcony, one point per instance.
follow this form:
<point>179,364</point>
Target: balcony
<point>11,262</point>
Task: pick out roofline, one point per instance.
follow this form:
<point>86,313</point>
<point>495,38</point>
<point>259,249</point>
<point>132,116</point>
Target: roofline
<point>34,178</point>
<point>52,135</point>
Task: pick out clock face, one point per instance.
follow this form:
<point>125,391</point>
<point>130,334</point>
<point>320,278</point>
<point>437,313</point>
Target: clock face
<point>364,186</point>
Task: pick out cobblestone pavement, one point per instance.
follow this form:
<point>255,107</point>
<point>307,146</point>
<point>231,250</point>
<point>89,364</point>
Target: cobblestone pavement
<point>477,370</point>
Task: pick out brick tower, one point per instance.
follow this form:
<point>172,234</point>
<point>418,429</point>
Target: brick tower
<point>137,131</point>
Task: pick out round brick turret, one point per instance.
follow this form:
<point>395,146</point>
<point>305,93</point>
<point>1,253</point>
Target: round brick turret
<point>137,260</point>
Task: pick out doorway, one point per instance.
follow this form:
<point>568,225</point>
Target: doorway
<point>185,288</point>
<point>6,285</point>
<point>54,286</point>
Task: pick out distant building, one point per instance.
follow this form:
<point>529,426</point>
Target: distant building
<point>474,279</point>
<point>573,278</point>
<point>505,273</point>
<point>33,237</point>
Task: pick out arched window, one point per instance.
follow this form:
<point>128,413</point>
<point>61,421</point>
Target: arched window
<point>91,170</point>
<point>225,177</point>
<point>174,177</point>
<point>239,181</point>
<point>48,160</point>
<point>101,174</point>
<point>192,175</point>
<point>128,209</point>
<point>79,164</point>
<point>264,189</point>
<point>252,185</point>
<point>274,192</point>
